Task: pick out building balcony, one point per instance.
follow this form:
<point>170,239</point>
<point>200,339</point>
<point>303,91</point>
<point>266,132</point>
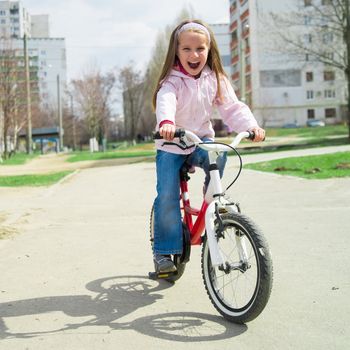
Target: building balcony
<point>234,43</point>
<point>233,26</point>
<point>234,59</point>
<point>244,15</point>
<point>233,9</point>
<point>235,76</point>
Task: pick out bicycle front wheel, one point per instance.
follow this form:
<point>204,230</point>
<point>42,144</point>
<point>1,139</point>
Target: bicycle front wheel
<point>240,290</point>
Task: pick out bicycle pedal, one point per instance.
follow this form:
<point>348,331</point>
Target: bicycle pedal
<point>160,275</point>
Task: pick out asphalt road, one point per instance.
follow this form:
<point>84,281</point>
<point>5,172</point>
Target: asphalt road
<point>74,271</point>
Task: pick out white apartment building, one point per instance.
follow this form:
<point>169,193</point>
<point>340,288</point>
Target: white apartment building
<point>48,53</point>
<point>223,38</point>
<point>40,26</point>
<point>279,88</point>
<point>14,19</point>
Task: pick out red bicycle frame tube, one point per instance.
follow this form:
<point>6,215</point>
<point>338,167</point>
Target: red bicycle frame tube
<point>196,228</point>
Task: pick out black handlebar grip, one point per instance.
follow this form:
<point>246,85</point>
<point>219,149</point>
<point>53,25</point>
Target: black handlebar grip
<point>251,135</point>
<point>178,133</point>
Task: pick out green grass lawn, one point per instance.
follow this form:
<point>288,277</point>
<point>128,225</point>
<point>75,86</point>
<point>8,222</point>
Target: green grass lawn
<point>323,166</point>
<point>313,132</point>
<point>130,153</point>
<point>32,180</point>
<point>19,158</point>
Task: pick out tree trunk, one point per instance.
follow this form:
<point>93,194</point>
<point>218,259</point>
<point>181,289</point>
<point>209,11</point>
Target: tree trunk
<point>347,71</point>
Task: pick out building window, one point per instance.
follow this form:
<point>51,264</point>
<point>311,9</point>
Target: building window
<point>234,52</point>
<point>245,26</point>
<point>329,75</point>
<point>309,76</point>
<point>330,112</point>
<point>307,20</point>
<point>2,13</point>
<point>329,56</point>
<point>226,60</point>
<point>327,38</point>
<point>307,3</point>
<point>329,93</point>
<point>14,11</point>
<point>308,38</point>
<point>3,21</point>
<point>234,36</point>
<point>234,68</point>
<point>310,114</point>
<point>310,94</point>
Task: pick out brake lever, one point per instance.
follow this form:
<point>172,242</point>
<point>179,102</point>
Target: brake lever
<point>182,145</point>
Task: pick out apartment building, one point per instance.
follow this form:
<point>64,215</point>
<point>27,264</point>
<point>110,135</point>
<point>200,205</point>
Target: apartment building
<point>222,35</point>
<point>14,19</point>
<point>48,54</point>
<point>280,88</point>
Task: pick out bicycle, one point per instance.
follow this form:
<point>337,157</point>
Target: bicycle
<point>236,262</point>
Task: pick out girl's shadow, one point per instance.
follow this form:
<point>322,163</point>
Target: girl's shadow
<point>116,297</point>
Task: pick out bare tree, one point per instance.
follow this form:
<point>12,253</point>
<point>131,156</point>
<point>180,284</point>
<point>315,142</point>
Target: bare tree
<point>132,84</point>
<point>327,39</point>
<point>10,95</point>
<point>93,94</point>
<point>155,66</point>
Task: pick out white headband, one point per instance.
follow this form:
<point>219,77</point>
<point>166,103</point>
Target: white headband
<point>193,25</point>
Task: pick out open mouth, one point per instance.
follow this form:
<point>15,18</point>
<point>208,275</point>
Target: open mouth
<point>194,65</point>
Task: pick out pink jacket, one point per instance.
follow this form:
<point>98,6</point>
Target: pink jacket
<point>189,102</point>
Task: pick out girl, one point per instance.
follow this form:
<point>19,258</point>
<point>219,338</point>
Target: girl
<point>192,82</point>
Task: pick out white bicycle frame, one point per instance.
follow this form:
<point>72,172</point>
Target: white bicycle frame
<point>215,196</point>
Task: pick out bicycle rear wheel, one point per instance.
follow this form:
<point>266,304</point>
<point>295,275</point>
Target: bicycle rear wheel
<point>179,260</point>
<point>240,291</point>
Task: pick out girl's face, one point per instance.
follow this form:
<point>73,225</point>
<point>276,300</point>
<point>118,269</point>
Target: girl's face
<point>193,51</point>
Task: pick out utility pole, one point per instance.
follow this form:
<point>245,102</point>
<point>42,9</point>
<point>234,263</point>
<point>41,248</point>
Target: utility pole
<point>29,104</point>
<point>347,50</point>
<point>73,121</point>
<point>59,106</point>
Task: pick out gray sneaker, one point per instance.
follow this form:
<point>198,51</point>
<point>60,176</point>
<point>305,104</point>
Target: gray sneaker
<point>163,263</point>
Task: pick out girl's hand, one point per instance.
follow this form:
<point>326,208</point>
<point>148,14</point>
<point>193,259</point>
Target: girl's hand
<point>259,134</point>
<point>167,131</point>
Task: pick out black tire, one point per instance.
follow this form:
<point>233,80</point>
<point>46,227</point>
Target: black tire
<point>241,294</point>
<point>177,259</point>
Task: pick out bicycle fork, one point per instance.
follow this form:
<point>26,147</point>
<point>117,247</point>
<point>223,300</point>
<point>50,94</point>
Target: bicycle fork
<point>213,195</point>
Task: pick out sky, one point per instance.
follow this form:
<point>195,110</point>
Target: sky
<point>109,34</point>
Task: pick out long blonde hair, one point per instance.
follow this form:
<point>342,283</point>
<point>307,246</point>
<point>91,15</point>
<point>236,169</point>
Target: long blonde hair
<point>213,61</point>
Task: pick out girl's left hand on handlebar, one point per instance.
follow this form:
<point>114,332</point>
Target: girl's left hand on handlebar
<point>259,134</point>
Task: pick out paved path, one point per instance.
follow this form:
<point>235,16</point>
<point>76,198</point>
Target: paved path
<point>74,272</point>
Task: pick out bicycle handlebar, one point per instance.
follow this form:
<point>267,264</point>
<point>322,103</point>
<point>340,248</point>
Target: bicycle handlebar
<point>208,146</point>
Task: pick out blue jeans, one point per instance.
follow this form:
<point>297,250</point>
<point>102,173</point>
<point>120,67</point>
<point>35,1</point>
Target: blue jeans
<point>167,215</point>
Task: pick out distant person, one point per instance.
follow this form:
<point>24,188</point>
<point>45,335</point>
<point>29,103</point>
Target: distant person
<point>191,84</point>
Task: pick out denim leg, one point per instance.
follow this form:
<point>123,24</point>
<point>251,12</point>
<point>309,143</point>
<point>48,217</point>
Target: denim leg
<point>167,215</point>
<point>200,158</point>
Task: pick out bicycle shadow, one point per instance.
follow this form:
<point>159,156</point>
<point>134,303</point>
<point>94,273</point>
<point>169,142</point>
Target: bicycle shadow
<point>116,297</point>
